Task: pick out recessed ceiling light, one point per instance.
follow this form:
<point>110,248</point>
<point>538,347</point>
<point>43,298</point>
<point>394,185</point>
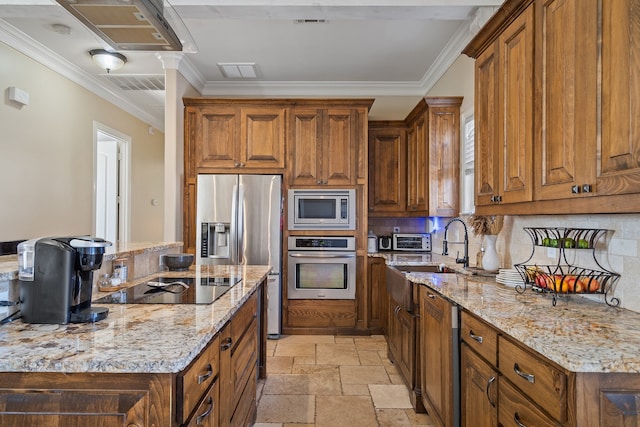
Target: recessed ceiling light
<point>238,70</point>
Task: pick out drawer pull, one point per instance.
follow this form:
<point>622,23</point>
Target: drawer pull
<point>491,381</point>
<point>226,344</point>
<point>206,413</point>
<point>529,377</point>
<point>475,337</point>
<point>432,296</point>
<point>516,418</point>
<point>203,378</point>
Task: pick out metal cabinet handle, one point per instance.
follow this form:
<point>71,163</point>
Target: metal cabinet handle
<point>202,378</point>
<point>200,418</point>
<point>226,344</point>
<point>529,377</point>
<point>491,381</point>
<point>236,165</point>
<point>586,188</point>
<point>575,189</point>
<point>475,337</point>
<point>432,296</point>
<point>516,418</point>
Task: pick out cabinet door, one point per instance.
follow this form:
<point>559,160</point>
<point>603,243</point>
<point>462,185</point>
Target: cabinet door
<point>417,162</point>
<point>478,389</point>
<point>306,131</point>
<point>515,160</point>
<point>262,143</point>
<point>378,298</point>
<point>219,130</point>
<point>402,341</point>
<point>487,128</point>
<point>618,168</point>
<point>338,147</point>
<point>436,356</point>
<point>387,159</point>
<point>444,157</point>
<point>567,75</point>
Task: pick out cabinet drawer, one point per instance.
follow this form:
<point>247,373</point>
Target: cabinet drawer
<point>196,379</point>
<point>514,409</point>
<point>537,378</point>
<point>480,337</point>
<point>206,414</point>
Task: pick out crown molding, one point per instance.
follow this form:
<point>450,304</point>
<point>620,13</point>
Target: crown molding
<point>29,47</point>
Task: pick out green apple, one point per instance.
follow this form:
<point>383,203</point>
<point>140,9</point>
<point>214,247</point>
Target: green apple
<point>569,243</point>
<point>583,244</point>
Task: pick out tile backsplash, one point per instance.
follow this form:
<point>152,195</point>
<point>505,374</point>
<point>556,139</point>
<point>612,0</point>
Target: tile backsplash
<point>618,251</point>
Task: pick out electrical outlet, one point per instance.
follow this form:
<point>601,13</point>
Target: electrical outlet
<point>396,229</point>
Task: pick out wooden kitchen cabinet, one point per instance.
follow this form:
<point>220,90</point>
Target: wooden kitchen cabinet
<point>444,159</point>
<point>240,137</point>
<point>414,164</point>
<point>402,342</point>
<point>583,81</point>
<point>437,362</point>
<point>504,115</point>
<point>387,163</point>
<point>323,148</point>
<point>567,78</point>
<point>478,390</point>
<point>377,296</point>
<point>238,363</point>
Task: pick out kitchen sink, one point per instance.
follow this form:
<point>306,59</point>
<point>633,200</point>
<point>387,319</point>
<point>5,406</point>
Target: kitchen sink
<point>400,288</point>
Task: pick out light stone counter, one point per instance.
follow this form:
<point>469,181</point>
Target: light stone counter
<point>134,338</point>
<point>578,334</point>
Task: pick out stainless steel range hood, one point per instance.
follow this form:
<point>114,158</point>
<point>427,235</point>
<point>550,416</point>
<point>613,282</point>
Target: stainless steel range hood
<point>126,24</point>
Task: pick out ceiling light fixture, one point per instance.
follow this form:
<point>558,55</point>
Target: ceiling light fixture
<point>108,60</point>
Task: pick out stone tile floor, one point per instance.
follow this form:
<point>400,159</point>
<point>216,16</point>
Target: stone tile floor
<point>333,381</point>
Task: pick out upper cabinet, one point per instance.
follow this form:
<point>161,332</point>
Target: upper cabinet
<point>503,116</point>
<point>387,163</point>
<point>323,149</point>
<point>556,86</point>
<point>618,165</point>
<point>414,164</point>
<point>240,137</point>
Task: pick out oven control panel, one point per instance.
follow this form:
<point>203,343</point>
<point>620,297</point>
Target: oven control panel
<point>322,243</point>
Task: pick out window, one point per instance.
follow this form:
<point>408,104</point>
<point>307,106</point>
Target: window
<point>468,166</point>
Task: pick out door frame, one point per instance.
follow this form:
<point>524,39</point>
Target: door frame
<point>124,179</point>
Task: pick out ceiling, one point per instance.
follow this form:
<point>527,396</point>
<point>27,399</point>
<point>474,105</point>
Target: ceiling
<point>393,51</point>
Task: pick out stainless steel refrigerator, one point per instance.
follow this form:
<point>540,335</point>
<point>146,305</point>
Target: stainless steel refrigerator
<point>239,222</point>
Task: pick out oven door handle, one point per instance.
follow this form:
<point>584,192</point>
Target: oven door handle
<point>322,256</point>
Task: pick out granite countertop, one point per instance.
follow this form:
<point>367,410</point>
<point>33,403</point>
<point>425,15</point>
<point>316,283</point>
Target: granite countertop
<point>134,338</point>
<point>578,334</point>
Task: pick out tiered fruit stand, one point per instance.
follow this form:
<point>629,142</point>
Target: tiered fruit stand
<point>562,278</point>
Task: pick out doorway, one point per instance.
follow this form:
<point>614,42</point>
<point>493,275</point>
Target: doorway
<point>111,184</point>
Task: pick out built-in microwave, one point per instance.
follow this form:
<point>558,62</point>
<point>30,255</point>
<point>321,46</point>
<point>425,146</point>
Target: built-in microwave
<point>322,209</point>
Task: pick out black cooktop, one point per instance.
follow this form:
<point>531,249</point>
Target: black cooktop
<point>172,290</point>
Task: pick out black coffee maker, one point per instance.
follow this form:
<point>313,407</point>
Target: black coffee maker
<point>56,279</point>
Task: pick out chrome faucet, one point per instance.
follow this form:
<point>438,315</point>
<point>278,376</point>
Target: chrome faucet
<point>445,249</point>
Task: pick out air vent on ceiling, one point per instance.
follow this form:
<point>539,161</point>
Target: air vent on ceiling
<point>130,25</point>
<point>310,21</point>
<point>245,70</point>
<point>137,81</point>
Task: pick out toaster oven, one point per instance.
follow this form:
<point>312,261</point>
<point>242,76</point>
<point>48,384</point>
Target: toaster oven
<point>414,242</point>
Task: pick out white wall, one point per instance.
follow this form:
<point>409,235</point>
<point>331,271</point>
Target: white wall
<point>46,156</point>
<point>515,246</point>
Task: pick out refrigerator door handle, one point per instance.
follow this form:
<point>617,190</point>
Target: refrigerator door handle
<point>233,246</point>
<point>240,225</point>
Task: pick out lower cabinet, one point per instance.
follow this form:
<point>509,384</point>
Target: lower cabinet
<point>479,390</point>
<point>217,389</point>
<point>439,365</point>
<point>377,296</point>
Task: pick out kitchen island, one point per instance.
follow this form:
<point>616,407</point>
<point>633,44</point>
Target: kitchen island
<point>145,364</point>
<point>573,364</point>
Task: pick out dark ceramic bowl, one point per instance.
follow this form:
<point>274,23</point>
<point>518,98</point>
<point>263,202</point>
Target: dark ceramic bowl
<point>178,262</point>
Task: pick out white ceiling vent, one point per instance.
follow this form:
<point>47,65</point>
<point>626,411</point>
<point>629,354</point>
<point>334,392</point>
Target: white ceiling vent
<point>245,70</point>
<point>310,21</point>
<point>137,81</point>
